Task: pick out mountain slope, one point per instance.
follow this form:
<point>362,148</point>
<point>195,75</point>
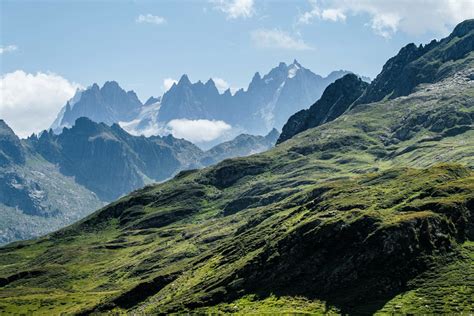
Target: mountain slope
<point>266,104</point>
<point>424,64</point>
<point>336,99</point>
<point>107,160</point>
<point>346,216</point>
<point>399,77</point>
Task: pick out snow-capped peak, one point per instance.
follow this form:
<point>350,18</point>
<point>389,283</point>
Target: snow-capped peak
<point>293,69</point>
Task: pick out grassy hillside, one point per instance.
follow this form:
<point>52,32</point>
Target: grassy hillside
<point>372,212</point>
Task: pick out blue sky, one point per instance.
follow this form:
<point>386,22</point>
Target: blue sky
<point>93,41</point>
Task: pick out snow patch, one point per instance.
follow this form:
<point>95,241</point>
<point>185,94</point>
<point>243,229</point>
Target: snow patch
<point>292,70</point>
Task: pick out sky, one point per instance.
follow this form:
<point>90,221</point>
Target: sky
<point>50,48</point>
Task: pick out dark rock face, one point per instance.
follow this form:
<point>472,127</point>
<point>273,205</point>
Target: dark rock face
<point>110,162</point>
<point>107,160</point>
<point>336,99</point>
<point>423,64</point>
<point>11,150</point>
<point>400,75</point>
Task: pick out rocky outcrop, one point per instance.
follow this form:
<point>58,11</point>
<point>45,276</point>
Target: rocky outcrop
<point>11,150</point>
<point>414,65</point>
<point>336,99</point>
<point>109,161</point>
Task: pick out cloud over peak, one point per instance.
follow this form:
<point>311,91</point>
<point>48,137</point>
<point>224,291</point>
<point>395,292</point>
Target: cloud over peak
<point>197,131</point>
<point>168,83</point>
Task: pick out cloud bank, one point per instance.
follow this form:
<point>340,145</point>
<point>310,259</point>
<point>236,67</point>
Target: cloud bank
<point>197,131</point>
<point>30,102</point>
<point>221,84</point>
<point>8,49</point>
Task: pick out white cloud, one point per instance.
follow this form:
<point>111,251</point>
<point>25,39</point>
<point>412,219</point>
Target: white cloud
<point>333,15</point>
<point>149,18</point>
<point>168,83</point>
<point>265,38</point>
<point>387,17</point>
<point>8,49</point>
<point>197,130</point>
<point>235,8</point>
<point>30,102</point>
<point>221,84</point>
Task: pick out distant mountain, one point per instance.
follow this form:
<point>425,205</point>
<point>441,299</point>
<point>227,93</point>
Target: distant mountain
<point>110,162</point>
<point>241,146</point>
<point>336,99</point>
<point>109,104</point>
<point>266,104</point>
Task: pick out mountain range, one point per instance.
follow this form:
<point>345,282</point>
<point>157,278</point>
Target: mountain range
<point>266,104</point>
<point>366,206</point>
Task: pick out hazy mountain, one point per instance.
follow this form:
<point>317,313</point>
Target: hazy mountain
<point>266,104</point>
<point>369,213</point>
<point>241,146</point>
<point>109,161</point>
<point>109,104</point>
